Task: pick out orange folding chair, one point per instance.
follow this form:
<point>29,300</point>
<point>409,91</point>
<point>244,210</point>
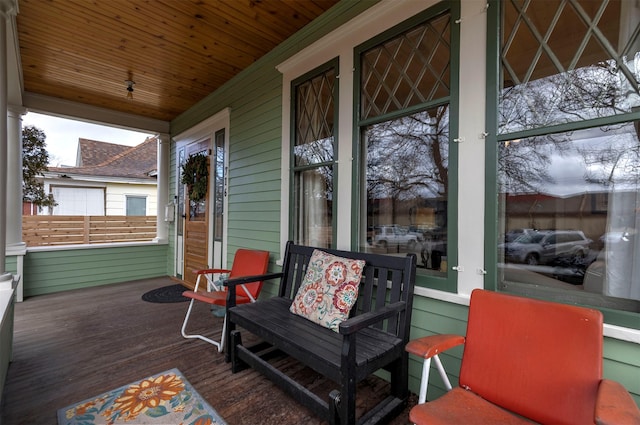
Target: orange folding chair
<point>246,265</point>
<point>524,360</point>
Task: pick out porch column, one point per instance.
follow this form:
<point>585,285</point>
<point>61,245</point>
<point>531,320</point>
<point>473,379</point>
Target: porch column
<point>14,178</point>
<point>15,246</point>
<point>162,232</point>
<point>8,9</point>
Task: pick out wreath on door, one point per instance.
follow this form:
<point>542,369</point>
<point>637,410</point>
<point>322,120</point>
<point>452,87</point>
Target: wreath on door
<point>195,174</point>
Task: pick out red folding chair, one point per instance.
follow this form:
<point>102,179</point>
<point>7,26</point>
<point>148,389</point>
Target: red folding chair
<point>246,263</point>
<point>524,360</point>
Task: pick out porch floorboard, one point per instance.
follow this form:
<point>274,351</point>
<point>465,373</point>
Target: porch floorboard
<point>73,345</point>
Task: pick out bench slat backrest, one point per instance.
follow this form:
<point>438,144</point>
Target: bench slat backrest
<point>397,272</point>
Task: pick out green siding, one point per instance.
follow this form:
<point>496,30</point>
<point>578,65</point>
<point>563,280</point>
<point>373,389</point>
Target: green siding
<point>11,264</point>
<point>62,270</point>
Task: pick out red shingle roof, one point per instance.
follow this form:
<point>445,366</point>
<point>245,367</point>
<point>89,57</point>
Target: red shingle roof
<point>132,162</point>
<point>93,152</point>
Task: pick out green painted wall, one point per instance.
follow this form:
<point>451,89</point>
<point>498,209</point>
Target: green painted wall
<point>11,264</point>
<point>62,270</point>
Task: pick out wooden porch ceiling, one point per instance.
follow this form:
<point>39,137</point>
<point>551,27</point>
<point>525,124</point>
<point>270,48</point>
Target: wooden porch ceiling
<point>176,51</point>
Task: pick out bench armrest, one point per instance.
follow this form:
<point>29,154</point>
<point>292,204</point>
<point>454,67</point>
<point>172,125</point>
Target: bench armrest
<point>364,320</point>
<point>614,405</point>
<point>236,281</point>
<point>429,346</point>
<point>249,279</point>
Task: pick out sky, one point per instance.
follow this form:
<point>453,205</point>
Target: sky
<point>62,136</point>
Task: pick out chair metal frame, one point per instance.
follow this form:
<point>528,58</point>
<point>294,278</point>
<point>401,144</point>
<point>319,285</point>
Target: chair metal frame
<point>217,287</point>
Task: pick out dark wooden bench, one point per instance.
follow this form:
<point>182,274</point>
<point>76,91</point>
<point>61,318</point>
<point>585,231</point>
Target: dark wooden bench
<point>373,338</point>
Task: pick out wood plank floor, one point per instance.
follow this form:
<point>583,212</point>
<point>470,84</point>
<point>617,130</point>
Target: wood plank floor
<point>73,345</point>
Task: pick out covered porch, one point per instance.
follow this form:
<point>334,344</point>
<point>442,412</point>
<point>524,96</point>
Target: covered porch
<point>455,213</point>
<point>74,345</point>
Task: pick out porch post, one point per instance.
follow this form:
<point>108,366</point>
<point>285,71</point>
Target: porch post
<point>8,9</point>
<point>14,178</point>
<point>162,226</point>
<point>14,243</point>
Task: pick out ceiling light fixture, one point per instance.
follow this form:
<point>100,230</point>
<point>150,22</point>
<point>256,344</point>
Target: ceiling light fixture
<point>130,85</point>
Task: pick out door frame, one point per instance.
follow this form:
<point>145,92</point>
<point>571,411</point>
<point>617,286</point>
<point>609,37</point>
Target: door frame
<point>203,130</point>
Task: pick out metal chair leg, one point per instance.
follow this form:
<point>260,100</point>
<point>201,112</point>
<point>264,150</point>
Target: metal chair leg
<point>219,345</point>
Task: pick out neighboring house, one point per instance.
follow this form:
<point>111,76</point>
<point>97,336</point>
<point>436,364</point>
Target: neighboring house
<point>29,208</point>
<point>108,179</point>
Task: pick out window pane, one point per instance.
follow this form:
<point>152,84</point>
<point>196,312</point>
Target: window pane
<point>567,61</point>
<point>408,70</point>
<point>219,186</point>
<point>314,120</point>
<point>569,210</point>
<point>313,200</point>
<point>78,201</point>
<point>313,159</point>
<point>407,161</point>
<point>136,205</point>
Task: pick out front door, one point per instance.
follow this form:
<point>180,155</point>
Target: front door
<point>196,228</point>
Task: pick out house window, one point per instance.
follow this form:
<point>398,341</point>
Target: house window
<point>78,200</point>
<point>136,205</point>
<point>568,153</point>
<point>313,156</point>
<point>405,144</point>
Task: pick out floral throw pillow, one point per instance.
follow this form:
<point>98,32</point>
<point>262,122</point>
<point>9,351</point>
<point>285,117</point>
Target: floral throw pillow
<point>329,289</point>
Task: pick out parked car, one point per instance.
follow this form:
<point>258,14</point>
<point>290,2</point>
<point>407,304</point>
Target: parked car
<point>513,234</point>
<point>394,235</point>
<point>545,247</point>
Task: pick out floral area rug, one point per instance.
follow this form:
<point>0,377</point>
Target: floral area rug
<point>165,398</point>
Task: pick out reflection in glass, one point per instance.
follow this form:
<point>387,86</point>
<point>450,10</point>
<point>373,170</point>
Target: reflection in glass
<point>197,210</point>
<point>313,200</point>
<point>313,160</point>
<point>408,70</point>
<point>406,174</point>
<point>314,120</point>
<point>181,196</point>
<point>567,62</point>
<point>570,208</point>
<point>219,186</point>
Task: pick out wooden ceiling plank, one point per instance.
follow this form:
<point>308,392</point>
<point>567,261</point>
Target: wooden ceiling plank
<point>164,66</point>
<point>179,51</point>
<point>111,38</point>
<point>277,24</point>
<point>226,30</point>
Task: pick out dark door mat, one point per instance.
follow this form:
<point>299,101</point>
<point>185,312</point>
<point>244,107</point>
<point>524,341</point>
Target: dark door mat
<point>166,294</point>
